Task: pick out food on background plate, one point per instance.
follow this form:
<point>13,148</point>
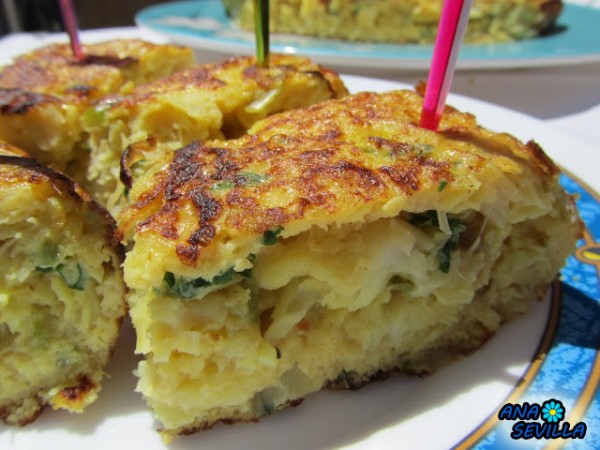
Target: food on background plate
<point>43,94</point>
<point>400,21</point>
<point>61,290</point>
<point>220,100</point>
<point>329,246</point>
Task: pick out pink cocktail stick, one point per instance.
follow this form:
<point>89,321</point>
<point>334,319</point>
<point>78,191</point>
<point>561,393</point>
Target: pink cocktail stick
<point>455,15</point>
<point>70,19</point>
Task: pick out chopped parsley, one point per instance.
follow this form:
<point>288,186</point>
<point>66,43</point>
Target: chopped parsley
<point>457,227</point>
<point>183,287</point>
<point>241,179</point>
<point>270,236</point>
<point>225,277</point>
<point>187,288</point>
<point>442,185</point>
<point>70,271</point>
<point>444,254</point>
<point>72,274</point>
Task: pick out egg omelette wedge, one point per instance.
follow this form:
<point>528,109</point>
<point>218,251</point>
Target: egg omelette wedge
<point>62,295</point>
<point>44,93</point>
<point>401,21</point>
<point>328,246</point>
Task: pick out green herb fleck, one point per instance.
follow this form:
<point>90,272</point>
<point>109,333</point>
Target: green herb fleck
<point>442,185</point>
<point>422,149</point>
<point>250,179</point>
<point>225,277</point>
<point>430,218</point>
<point>187,288</point>
<point>270,236</point>
<point>169,278</point>
<point>223,185</point>
<point>73,275</point>
<point>183,287</point>
<point>445,253</point>
<point>94,116</point>
<point>241,179</point>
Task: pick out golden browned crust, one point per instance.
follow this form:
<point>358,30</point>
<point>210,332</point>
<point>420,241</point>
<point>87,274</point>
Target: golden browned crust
<point>209,77</point>
<point>54,70</point>
<point>73,396</point>
<point>26,169</point>
<point>18,101</point>
<point>323,170</point>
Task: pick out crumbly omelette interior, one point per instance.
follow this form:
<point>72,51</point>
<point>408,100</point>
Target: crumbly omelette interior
<point>335,305</point>
<point>61,300</point>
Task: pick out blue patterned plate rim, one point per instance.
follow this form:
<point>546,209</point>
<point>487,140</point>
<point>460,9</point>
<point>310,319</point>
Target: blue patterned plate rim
<point>566,364</point>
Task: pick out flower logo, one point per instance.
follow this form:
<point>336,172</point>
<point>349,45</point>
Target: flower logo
<point>553,411</point>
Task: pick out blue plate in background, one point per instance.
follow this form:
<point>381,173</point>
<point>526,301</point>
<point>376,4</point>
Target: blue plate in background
<point>203,24</point>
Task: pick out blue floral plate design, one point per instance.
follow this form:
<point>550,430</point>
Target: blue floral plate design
<point>204,24</point>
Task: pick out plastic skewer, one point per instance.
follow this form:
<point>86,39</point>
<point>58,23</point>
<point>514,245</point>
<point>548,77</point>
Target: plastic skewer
<point>70,20</point>
<point>261,29</point>
<point>453,22</point>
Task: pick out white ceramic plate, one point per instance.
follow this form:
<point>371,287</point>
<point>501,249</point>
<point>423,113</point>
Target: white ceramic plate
<point>204,24</point>
<point>549,353</point>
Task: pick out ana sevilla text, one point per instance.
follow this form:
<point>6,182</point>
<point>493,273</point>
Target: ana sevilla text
<point>527,425</point>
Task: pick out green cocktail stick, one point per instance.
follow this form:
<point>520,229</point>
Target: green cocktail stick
<point>261,29</point>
